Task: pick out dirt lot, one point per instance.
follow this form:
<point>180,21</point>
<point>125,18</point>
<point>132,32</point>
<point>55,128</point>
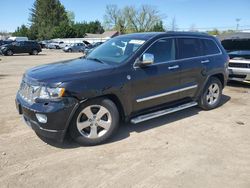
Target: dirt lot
<point>192,148</point>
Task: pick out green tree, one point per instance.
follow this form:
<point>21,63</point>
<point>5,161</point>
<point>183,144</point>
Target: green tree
<point>214,32</point>
<point>87,27</point>
<point>64,30</point>
<point>158,27</point>
<point>21,31</point>
<point>45,16</point>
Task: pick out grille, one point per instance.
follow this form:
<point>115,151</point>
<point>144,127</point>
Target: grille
<point>28,92</point>
<point>240,65</point>
<point>237,76</point>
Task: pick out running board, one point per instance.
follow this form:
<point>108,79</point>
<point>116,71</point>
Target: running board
<point>152,115</point>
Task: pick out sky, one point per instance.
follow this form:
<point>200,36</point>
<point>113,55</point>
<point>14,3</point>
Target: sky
<point>200,14</point>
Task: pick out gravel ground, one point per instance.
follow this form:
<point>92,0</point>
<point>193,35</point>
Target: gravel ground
<point>191,148</point>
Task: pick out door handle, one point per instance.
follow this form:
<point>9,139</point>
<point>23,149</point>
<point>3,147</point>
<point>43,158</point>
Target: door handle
<point>205,61</point>
<point>173,67</point>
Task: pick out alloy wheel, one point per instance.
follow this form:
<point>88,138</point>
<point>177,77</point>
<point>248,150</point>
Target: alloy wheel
<point>213,93</point>
<point>94,121</point>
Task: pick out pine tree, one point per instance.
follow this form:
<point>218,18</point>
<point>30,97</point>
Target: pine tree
<point>46,15</point>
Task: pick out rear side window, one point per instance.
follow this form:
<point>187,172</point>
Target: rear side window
<point>163,50</point>
<point>210,47</point>
<point>189,47</point>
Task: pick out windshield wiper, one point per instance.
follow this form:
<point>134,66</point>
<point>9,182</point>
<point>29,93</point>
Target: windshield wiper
<point>95,59</point>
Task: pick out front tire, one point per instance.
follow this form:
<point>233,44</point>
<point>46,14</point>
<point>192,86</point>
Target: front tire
<point>9,53</point>
<point>211,95</point>
<point>94,122</point>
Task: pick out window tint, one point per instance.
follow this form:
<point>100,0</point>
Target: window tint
<point>163,50</point>
<point>189,47</point>
<point>210,47</point>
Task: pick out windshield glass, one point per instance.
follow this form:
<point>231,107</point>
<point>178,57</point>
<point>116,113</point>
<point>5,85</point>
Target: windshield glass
<point>116,50</point>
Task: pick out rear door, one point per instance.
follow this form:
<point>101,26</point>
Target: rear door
<point>191,60</point>
<point>158,83</point>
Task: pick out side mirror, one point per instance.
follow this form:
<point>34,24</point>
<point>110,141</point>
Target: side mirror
<point>147,59</point>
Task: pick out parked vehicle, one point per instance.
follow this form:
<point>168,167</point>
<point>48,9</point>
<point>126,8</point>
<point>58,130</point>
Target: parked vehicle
<point>18,38</point>
<point>55,45</point>
<point>134,77</point>
<point>239,63</point>
<point>76,47</point>
<point>90,48</point>
<point>31,47</point>
<point>44,43</point>
<point>2,42</point>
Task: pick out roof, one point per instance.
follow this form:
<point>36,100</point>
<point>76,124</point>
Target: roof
<point>106,34</point>
<point>148,35</point>
<point>238,35</point>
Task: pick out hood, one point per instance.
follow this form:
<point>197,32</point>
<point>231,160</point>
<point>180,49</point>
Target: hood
<point>66,71</point>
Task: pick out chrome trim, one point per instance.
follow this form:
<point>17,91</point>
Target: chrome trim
<point>177,60</point>
<point>173,67</point>
<point>162,112</point>
<point>205,61</point>
<point>167,93</point>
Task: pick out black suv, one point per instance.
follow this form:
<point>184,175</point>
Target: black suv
<point>134,77</point>
<point>31,47</point>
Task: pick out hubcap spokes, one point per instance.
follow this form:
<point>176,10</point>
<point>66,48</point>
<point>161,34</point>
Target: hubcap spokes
<point>213,94</point>
<point>94,121</point>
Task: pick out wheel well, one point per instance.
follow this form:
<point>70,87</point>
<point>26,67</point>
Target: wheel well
<point>117,102</point>
<point>220,77</point>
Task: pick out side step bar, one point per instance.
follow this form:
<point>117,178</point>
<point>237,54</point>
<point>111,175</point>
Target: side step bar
<point>152,115</point>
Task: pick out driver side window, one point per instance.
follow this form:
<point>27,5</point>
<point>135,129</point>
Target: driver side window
<point>163,50</point>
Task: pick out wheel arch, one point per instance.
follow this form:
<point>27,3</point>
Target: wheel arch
<point>220,76</point>
<point>117,102</point>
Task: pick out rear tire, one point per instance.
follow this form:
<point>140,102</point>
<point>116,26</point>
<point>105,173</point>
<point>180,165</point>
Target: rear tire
<point>211,95</point>
<point>34,52</point>
<point>94,122</point>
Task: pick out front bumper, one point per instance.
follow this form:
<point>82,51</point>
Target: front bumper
<point>58,113</point>
<point>239,74</point>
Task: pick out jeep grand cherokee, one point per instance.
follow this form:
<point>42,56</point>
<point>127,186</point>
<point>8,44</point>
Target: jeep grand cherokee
<point>134,77</point>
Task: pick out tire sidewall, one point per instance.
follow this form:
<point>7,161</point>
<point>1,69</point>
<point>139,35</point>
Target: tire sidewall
<point>9,52</point>
<point>203,101</point>
<point>74,133</point>
<point>34,52</point>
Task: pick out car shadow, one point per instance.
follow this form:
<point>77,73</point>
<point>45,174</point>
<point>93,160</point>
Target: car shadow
<point>126,128</point>
<point>238,84</point>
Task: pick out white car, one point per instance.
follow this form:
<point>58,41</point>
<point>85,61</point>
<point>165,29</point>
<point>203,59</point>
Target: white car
<point>55,45</point>
<point>238,50</point>
<point>239,66</point>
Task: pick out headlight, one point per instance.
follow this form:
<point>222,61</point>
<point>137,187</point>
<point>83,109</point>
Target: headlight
<point>51,93</point>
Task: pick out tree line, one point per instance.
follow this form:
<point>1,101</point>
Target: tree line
<point>49,19</point>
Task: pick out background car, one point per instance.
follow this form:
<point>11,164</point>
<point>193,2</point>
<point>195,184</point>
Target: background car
<point>44,43</point>
<point>3,42</point>
<point>239,54</point>
<point>55,45</point>
<point>31,47</point>
<point>76,47</point>
<point>92,47</point>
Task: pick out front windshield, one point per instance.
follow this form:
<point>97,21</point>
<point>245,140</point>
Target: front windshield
<point>116,50</point>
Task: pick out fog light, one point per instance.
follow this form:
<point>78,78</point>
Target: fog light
<point>41,118</point>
